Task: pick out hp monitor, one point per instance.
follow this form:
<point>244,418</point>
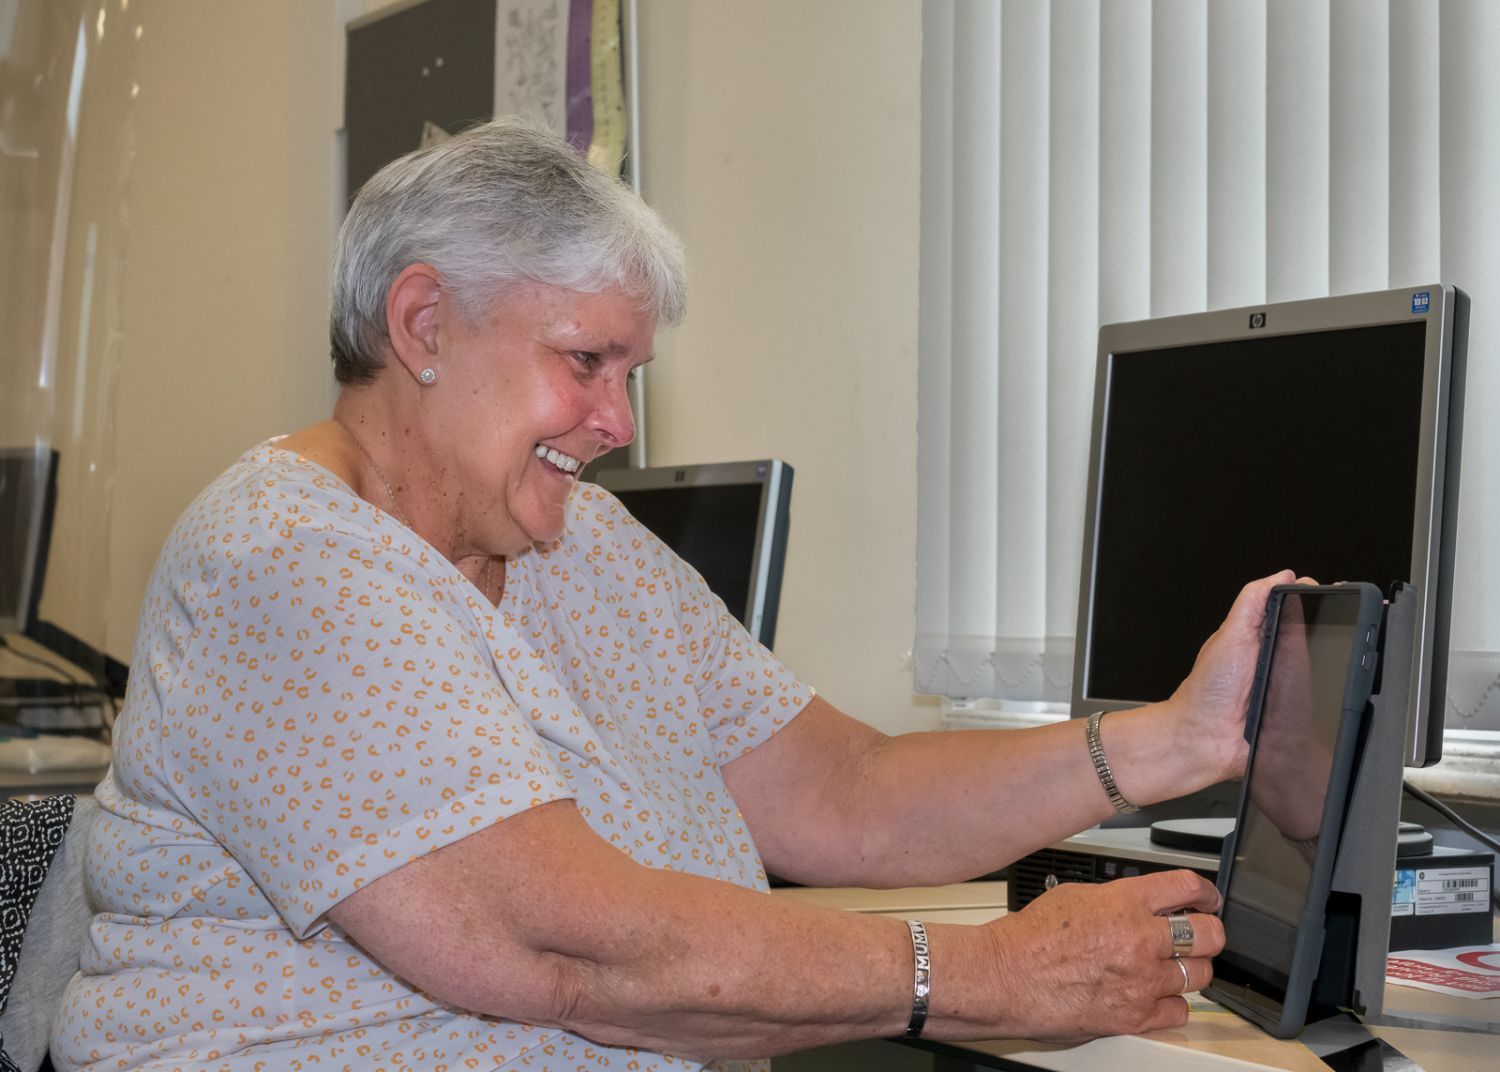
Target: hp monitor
<point>1321,436</point>
<point>727,520</point>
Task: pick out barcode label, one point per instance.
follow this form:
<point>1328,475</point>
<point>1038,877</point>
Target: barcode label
<point>1440,891</point>
<point>1453,908</point>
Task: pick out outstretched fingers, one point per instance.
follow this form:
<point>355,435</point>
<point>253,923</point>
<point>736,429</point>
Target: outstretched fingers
<point>1175,891</point>
<point>1114,943</point>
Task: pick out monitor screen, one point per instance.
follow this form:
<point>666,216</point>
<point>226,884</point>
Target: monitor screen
<point>28,493</point>
<point>728,521</point>
<point>1319,436</point>
<point>1335,501</point>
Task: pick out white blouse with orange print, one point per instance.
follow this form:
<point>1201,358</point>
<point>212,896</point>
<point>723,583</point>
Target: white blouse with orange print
<point>318,697</point>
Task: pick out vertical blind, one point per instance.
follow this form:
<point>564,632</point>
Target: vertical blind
<point>1085,162</point>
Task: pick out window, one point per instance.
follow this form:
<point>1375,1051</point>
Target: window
<point>1088,162</point>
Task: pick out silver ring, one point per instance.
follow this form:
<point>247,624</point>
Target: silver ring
<point>1182,934</point>
<point>1186,982</point>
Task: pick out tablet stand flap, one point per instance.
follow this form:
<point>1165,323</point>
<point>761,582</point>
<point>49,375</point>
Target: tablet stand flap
<point>1351,973</point>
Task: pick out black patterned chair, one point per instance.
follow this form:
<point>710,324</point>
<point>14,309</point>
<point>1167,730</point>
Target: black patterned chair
<point>44,917</point>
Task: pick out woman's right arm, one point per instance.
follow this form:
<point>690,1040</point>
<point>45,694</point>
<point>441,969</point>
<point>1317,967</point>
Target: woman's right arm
<point>537,919</point>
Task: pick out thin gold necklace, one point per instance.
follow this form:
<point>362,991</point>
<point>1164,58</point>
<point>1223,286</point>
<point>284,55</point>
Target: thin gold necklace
<point>390,494</point>
<point>489,562</point>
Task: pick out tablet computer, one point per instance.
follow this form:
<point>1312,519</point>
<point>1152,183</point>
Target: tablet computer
<point>1307,712</point>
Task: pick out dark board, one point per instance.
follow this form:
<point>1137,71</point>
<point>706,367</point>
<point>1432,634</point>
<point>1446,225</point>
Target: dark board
<point>431,62</point>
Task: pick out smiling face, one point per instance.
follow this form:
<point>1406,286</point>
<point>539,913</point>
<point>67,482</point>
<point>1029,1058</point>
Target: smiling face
<point>528,393</point>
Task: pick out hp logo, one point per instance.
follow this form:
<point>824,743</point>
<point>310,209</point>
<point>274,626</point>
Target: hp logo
<point>1257,320</point>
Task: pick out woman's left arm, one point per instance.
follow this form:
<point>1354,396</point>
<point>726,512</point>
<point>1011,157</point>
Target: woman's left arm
<point>833,802</point>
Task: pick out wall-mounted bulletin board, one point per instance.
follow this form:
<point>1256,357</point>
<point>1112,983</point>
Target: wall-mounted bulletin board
<point>423,70</point>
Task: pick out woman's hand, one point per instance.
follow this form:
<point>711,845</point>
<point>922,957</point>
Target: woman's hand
<point>1084,960</point>
<point>1214,698</point>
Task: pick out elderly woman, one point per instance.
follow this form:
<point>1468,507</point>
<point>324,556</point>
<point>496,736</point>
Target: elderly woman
<point>433,757</point>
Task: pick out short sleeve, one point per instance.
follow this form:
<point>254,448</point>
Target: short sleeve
<point>337,715</point>
<point>745,694</point>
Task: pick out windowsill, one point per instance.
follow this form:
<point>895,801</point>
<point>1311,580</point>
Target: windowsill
<point>1469,770</point>
<point>999,715</point>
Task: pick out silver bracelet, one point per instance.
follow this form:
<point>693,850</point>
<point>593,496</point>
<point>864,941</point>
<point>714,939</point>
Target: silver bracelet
<point>921,984</point>
<point>1101,767</point>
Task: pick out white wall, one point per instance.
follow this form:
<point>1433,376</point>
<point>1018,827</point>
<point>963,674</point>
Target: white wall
<point>228,214</point>
<point>780,138</point>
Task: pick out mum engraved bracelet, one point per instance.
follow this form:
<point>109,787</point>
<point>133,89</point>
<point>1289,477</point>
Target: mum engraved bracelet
<point>921,984</point>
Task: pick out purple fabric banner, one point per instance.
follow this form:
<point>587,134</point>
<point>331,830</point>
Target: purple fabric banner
<point>580,75</point>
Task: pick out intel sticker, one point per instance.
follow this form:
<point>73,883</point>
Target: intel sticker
<point>1404,895</point>
<point>1420,300</point>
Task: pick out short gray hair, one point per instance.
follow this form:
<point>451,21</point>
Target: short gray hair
<point>503,203</point>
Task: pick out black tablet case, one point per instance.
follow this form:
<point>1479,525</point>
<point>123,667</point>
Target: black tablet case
<point>1351,971</point>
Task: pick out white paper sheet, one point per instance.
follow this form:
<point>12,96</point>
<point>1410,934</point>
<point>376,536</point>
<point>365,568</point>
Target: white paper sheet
<point>1461,972</point>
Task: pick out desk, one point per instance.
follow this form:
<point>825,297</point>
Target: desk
<point>60,714</point>
<point>48,783</point>
<point>1213,1036</point>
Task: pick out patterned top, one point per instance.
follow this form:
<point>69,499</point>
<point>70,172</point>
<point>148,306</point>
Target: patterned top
<point>318,697</point>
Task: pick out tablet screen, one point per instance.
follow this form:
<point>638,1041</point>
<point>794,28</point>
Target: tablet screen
<point>1296,739</point>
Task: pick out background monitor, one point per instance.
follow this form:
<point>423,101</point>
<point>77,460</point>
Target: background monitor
<point>727,520</point>
<point>1321,436</point>
<point>28,497</point>
<point>28,502</point>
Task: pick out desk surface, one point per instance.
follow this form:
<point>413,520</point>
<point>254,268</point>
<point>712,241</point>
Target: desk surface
<point>22,784</point>
<point>1213,1036</point>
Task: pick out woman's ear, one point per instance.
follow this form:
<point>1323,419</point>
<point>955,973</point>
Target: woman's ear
<point>413,309</point>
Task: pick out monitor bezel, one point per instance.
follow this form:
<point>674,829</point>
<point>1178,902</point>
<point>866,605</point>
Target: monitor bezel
<point>774,479</point>
<point>1436,501</point>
